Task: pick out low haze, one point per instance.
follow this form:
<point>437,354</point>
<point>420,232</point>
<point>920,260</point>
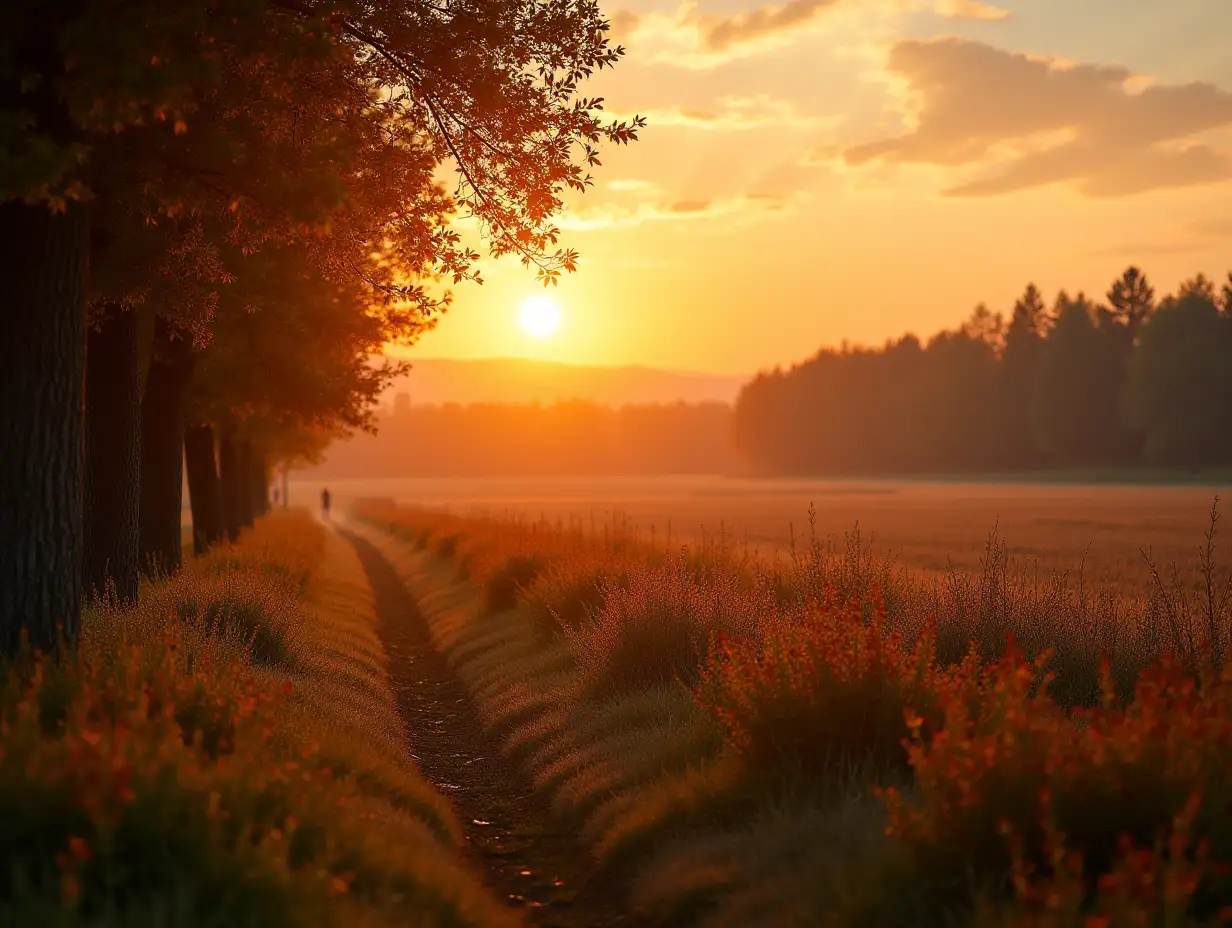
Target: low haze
<point>519,380</point>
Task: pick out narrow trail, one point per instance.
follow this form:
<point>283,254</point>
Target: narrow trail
<point>524,853</point>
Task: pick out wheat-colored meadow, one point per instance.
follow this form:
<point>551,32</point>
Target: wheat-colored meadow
<point>833,742</point>
<point>1101,531</point>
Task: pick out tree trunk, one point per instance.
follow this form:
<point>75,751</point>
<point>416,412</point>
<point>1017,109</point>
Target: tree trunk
<point>112,457</point>
<point>162,448</point>
<point>229,477</point>
<point>260,482</point>
<point>243,481</point>
<point>286,486</point>
<point>43,263</point>
<point>204,488</point>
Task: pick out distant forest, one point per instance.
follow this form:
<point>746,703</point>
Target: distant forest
<point>492,439</point>
<point>1126,382</point>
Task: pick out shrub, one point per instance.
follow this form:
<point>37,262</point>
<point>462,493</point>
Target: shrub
<point>503,585</point>
<point>825,693</point>
<point>185,771</point>
<point>147,791</point>
<point>657,628</point>
<point>1000,794</point>
<point>255,610</point>
<point>446,545</point>
<point>570,590</point>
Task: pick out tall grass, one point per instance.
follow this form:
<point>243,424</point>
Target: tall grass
<point>227,753</point>
<point>1041,750</point>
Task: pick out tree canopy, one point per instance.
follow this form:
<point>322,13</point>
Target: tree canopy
<point>258,186</point>
<point>1124,384</point>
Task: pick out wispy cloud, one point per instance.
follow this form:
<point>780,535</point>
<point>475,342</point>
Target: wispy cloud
<point>970,9</point>
<point>1023,121</point>
<point>619,216</point>
<point>632,185</point>
<point>692,38</point>
<point>737,114</point>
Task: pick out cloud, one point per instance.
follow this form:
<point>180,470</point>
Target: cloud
<point>719,33</point>
<point>693,39</point>
<point>632,185</point>
<point>1217,228</point>
<point>1130,252</point>
<point>971,9</point>
<point>737,114</point>
<point>1041,122</point>
<point>1190,238</point>
<point>617,216</point>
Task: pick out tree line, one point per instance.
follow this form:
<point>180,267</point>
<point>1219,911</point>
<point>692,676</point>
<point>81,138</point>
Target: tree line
<point>212,213</point>
<point>1123,382</point>
<point>567,438</point>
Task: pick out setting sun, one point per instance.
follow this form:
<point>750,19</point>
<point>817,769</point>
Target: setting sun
<point>540,317</point>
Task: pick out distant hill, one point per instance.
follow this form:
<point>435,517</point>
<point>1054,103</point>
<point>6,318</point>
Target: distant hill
<point>433,381</point>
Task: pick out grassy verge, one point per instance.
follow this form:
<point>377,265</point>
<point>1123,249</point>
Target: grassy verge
<point>824,743</point>
<point>228,754</point>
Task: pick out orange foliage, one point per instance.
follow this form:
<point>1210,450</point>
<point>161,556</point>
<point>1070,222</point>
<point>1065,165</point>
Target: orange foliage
<point>1021,786</point>
<point>1009,805</point>
<point>823,692</point>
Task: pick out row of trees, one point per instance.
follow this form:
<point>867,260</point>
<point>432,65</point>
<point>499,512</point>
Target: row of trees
<point>576,438</point>
<point>211,212</point>
<point>1128,381</point>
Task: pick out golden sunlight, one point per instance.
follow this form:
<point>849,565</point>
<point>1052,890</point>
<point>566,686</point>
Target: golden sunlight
<point>540,316</point>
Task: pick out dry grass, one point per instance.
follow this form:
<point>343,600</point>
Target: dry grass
<point>759,810</point>
<point>226,753</point>
<point>926,527</point>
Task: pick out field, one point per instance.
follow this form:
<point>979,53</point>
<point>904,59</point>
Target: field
<point>228,752</point>
<point>821,741</point>
<point>520,703</point>
<point>675,698</point>
<point>1100,530</point>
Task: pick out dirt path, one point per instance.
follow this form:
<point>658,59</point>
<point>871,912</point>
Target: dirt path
<point>524,853</point>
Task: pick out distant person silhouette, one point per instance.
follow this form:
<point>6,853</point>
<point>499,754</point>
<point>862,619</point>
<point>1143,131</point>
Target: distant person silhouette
<point>325,502</point>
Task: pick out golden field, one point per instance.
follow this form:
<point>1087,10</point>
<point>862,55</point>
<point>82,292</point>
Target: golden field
<point>1101,531</point>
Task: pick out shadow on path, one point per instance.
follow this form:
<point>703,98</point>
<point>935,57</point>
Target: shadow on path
<point>525,854</point>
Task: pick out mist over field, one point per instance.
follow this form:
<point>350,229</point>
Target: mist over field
<point>927,526</point>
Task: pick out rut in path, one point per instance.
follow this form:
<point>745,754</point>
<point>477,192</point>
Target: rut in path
<point>525,854</point>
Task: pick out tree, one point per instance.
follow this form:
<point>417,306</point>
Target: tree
<point>984,325</point>
<point>291,353</point>
<point>1199,286</point>
<point>162,444</point>
<point>1020,360</point>
<point>1179,391</point>
<point>112,453</point>
<point>42,363</point>
<point>60,93</point>
<point>299,123</point>
<point>1077,395</point>
<point>1132,299</point>
<point>204,486</point>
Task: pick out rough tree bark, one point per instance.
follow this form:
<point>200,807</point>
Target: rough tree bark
<point>260,482</point>
<point>204,488</point>
<point>162,448</point>
<point>229,478</point>
<point>43,263</point>
<point>243,481</point>
<point>111,510</point>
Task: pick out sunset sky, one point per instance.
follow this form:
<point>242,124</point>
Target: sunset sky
<point>822,170</point>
